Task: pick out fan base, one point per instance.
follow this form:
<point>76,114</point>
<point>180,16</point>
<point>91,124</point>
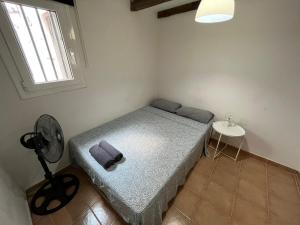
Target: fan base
<point>54,195</point>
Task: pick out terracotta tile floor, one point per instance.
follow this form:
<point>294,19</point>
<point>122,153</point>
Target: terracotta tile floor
<point>249,192</point>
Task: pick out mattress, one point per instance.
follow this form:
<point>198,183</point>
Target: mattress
<point>159,150</point>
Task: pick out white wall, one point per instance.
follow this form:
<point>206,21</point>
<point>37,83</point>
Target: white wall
<point>121,48</point>
<point>14,209</point>
<point>249,66</point>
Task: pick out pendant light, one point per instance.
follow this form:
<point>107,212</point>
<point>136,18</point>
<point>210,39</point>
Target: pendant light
<point>215,11</point>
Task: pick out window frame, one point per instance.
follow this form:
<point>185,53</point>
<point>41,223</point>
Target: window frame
<point>21,75</point>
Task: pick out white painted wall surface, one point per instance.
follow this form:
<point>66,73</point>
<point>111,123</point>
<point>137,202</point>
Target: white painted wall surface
<point>121,47</point>
<point>14,209</point>
<point>249,66</point>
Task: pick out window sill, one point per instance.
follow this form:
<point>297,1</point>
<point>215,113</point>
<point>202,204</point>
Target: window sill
<point>32,94</point>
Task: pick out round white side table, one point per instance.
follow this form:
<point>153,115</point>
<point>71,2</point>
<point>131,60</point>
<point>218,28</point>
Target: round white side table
<point>223,129</point>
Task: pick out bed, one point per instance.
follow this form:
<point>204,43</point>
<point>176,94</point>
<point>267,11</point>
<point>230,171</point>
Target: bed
<point>159,148</point>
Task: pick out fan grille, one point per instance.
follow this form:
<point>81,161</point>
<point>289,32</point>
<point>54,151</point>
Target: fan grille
<point>51,131</point>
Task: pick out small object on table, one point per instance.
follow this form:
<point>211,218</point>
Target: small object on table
<point>229,118</point>
<point>226,129</point>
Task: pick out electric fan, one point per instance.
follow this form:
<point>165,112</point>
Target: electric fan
<point>47,140</point>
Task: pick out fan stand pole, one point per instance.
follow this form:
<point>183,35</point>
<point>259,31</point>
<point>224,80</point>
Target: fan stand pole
<point>48,174</point>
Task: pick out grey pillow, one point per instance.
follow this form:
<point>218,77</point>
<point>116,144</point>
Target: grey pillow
<point>165,105</point>
<point>203,116</point>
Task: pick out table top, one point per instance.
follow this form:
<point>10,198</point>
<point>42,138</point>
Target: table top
<point>223,128</point>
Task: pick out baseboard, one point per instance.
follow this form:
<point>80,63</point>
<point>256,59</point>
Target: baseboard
<point>269,161</point>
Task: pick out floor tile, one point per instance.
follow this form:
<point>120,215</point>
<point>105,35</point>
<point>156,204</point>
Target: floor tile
<point>88,194</point>
<point>284,187</point>
<point>61,217</point>
<point>76,208</point>
<point>86,197</point>
<point>88,218</point>
<point>226,164</point>
<point>104,213</point>
<point>255,164</point>
<point>254,171</point>
<point>204,167</point>
<point>175,217</point>
<point>285,210</point>
<point>281,174</point>
<point>208,214</point>
<point>247,213</point>
<point>219,197</point>
<point>276,220</point>
<point>35,218</point>
<point>253,192</point>
<point>44,220</point>
<point>186,202</point>
<point>197,183</point>
<point>225,179</point>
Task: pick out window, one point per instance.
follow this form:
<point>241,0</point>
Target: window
<point>43,39</point>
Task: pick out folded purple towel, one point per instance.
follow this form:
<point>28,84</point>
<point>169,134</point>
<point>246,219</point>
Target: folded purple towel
<point>116,155</point>
<point>102,156</point>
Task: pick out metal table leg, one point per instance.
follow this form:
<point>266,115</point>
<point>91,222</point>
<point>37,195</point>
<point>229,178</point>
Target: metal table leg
<point>240,147</point>
<point>238,152</point>
<point>217,151</point>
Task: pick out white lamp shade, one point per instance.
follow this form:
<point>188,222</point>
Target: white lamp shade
<point>215,11</point>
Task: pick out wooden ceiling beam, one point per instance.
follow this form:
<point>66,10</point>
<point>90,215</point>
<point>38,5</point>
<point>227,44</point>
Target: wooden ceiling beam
<point>137,5</point>
<point>179,9</point>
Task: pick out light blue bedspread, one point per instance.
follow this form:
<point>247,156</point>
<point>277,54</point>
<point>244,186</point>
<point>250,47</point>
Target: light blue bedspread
<point>159,148</point>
